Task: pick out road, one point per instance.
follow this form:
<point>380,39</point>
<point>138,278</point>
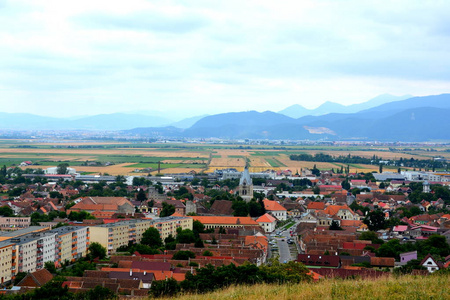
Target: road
<point>284,250</point>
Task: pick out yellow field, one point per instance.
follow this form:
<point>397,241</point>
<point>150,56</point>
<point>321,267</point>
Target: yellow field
<point>182,158</point>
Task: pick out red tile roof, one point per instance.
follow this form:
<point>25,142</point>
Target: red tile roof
<point>273,205</point>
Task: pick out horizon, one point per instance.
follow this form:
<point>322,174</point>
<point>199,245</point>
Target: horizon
<point>195,58</point>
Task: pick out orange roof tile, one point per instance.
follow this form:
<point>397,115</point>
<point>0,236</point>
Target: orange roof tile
<point>316,205</point>
<point>266,218</point>
<point>225,220</point>
<point>273,205</point>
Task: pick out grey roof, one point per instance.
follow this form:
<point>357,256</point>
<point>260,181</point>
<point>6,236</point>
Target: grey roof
<point>388,176</point>
<point>245,178</point>
<point>21,232</point>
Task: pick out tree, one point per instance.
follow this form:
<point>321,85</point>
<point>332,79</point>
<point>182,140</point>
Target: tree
<point>50,266</point>
<point>167,210</point>
<point>316,190</point>
<point>380,169</point>
<point>6,211</point>
<point>185,236</point>
<point>345,185</point>
<point>240,208</point>
<point>375,220</point>
<point>371,236</point>
<point>164,288</point>
<point>207,253</point>
<point>97,250</point>
<point>335,225</point>
<point>141,195</point>
<point>62,169</point>
<point>152,238</point>
<point>183,255</point>
<point>197,228</point>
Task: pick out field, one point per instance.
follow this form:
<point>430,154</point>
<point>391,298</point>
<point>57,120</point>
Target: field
<point>405,288</point>
<point>130,158</point>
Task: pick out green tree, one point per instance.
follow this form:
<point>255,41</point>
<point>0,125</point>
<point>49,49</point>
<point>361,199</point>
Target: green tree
<point>345,185</point>
<point>207,253</point>
<point>375,220</point>
<point>50,266</point>
<point>335,226</point>
<point>6,211</point>
<point>165,288</point>
<point>141,195</point>
<point>185,236</point>
<point>62,168</point>
<point>167,210</point>
<point>152,238</point>
<point>240,208</point>
<point>97,250</point>
<point>371,236</point>
<point>183,255</point>
<point>197,228</point>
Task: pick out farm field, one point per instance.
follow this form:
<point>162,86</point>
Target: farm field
<point>126,158</point>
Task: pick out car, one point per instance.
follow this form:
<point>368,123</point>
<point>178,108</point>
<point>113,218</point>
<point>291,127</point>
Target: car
<point>282,240</point>
<point>290,242</point>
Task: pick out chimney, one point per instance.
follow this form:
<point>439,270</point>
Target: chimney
<point>131,272</point>
<point>145,273</point>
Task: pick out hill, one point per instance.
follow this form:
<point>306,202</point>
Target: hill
<point>407,287</point>
<point>297,111</point>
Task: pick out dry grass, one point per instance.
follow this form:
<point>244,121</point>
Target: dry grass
<point>409,287</point>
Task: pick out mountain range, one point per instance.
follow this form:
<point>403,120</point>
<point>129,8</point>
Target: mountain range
<point>297,111</point>
<point>384,118</point>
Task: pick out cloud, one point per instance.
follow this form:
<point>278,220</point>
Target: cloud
<point>195,57</point>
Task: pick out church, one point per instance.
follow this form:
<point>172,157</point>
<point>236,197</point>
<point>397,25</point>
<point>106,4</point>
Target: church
<point>245,189</point>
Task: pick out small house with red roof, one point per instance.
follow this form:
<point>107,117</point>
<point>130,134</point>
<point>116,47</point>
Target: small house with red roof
<point>275,209</point>
<point>267,222</point>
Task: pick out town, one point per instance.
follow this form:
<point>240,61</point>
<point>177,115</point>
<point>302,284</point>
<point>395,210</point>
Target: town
<point>157,234</point>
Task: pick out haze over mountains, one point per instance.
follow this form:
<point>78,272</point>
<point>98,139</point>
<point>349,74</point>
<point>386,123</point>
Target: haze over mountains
<point>297,111</point>
<point>387,118</point>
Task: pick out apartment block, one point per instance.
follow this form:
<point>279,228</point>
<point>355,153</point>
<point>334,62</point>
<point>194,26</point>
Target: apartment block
<point>6,260</point>
<point>114,235</point>
<point>14,223</point>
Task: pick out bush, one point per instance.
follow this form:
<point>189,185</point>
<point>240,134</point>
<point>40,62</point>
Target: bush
<point>183,255</point>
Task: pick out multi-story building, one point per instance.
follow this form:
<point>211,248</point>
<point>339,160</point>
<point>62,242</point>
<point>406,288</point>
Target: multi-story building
<point>114,235</point>
<point>14,223</point>
<point>72,243</point>
<point>26,250</point>
<point>6,260</point>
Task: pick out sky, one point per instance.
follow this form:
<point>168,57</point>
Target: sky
<point>186,58</point>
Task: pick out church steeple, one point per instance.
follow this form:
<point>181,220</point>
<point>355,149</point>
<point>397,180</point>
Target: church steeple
<point>246,185</point>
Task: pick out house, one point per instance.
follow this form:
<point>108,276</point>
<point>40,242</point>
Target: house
<point>267,222</point>
<point>382,262</point>
<point>342,211</point>
<point>431,264</point>
<point>36,279</point>
<point>319,261</point>
<point>110,204</point>
<point>226,222</point>
<point>407,256</point>
<point>275,209</point>
<point>313,206</point>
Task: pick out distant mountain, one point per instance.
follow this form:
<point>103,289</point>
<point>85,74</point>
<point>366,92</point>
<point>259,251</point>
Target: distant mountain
<point>297,111</point>
<point>118,121</point>
<point>437,101</point>
<point>379,100</point>
<point>188,122</point>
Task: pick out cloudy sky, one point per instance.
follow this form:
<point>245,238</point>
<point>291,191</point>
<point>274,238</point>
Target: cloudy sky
<point>186,58</point>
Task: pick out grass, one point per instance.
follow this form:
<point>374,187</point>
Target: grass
<point>407,287</point>
<point>275,162</point>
